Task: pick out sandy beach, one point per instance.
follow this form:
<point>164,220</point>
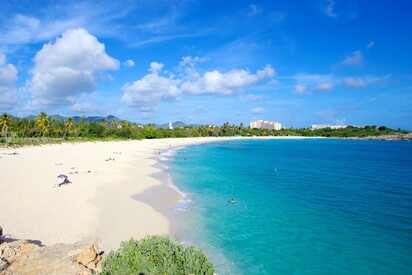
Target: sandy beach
<point>116,191</point>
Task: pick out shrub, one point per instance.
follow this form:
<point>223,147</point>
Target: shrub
<point>156,255</point>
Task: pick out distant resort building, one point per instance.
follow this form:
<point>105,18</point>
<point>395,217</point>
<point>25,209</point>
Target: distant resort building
<point>264,124</point>
<point>323,126</point>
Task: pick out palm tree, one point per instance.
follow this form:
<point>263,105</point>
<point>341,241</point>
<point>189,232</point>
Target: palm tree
<point>124,123</point>
<point>5,121</point>
<point>103,123</point>
<point>56,128</point>
<point>113,123</point>
<point>24,125</point>
<point>43,123</point>
<point>226,128</point>
<point>68,125</point>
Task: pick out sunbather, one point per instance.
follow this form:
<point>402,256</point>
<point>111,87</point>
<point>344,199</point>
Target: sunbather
<point>65,181</point>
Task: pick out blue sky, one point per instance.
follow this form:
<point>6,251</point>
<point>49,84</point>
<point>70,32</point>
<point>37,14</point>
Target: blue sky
<point>210,62</point>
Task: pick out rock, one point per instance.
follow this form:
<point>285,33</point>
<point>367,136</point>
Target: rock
<point>23,257</point>
<point>10,250</point>
<point>88,256</point>
<point>385,137</point>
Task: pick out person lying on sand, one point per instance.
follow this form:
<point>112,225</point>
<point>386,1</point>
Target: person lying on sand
<point>65,181</point>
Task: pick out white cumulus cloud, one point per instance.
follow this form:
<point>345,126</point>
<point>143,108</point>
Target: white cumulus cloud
<point>155,67</point>
<point>159,85</point>
<point>146,93</point>
<point>353,59</point>
<point>309,83</point>
<point>299,89</point>
<point>129,63</point>
<point>8,78</point>
<point>354,82</point>
<point>69,67</point>
<point>230,83</point>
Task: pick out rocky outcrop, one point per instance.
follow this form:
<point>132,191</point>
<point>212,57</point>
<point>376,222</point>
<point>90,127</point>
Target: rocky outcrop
<point>386,137</point>
<point>25,257</point>
<point>392,137</point>
<point>12,250</point>
<point>87,255</point>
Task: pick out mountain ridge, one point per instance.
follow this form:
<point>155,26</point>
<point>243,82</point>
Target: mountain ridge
<point>98,119</point>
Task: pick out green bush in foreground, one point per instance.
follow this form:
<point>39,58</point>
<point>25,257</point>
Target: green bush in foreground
<point>156,255</point>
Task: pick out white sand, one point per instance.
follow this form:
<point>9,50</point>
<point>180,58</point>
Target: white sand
<point>97,203</point>
<point>99,200</point>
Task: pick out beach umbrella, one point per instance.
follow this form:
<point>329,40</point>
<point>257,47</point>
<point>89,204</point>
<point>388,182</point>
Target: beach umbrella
<point>62,176</point>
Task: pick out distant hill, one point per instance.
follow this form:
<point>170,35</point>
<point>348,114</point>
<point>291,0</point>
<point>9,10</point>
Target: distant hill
<point>31,117</point>
<point>57,117</point>
<point>97,119</point>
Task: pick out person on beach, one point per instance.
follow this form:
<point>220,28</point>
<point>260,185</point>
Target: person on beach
<point>65,181</point>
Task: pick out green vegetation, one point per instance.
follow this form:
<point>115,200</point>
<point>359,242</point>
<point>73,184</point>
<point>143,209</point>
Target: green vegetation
<point>156,255</point>
<point>44,129</point>
<point>349,131</point>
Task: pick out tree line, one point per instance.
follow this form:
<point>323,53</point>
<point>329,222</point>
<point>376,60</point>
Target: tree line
<point>44,127</point>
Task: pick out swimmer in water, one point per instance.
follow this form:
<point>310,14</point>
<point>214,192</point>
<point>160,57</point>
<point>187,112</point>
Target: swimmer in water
<point>232,201</point>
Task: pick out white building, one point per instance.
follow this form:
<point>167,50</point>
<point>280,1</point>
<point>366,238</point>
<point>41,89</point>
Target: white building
<point>323,126</point>
<point>264,124</point>
<point>170,126</point>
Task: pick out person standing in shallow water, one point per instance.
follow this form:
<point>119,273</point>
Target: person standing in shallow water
<point>232,201</point>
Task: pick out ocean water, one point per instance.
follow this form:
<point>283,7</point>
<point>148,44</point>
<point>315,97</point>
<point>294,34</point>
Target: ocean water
<point>310,206</point>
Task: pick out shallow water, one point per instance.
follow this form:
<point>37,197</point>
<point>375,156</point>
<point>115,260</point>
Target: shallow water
<point>302,206</point>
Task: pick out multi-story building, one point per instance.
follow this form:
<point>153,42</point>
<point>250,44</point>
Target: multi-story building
<point>264,124</point>
<point>323,126</point>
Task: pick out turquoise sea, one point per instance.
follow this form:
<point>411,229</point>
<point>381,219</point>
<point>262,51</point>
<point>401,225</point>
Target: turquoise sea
<point>307,206</point>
